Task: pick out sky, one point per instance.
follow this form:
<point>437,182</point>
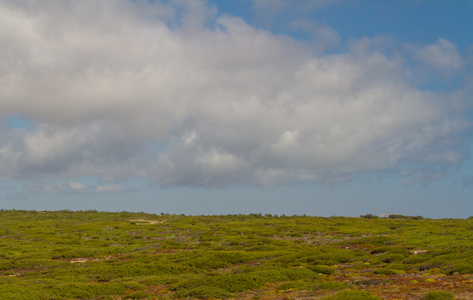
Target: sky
<point>315,107</point>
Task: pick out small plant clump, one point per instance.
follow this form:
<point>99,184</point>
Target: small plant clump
<point>101,255</point>
<point>438,295</point>
<point>352,295</point>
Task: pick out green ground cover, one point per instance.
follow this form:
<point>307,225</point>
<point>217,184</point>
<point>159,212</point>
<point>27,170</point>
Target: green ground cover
<point>100,255</point>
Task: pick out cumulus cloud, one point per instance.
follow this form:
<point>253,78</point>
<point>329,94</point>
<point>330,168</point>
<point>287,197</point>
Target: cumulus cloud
<point>295,16</point>
<point>92,148</point>
<point>442,56</point>
<point>105,83</point>
<point>324,36</point>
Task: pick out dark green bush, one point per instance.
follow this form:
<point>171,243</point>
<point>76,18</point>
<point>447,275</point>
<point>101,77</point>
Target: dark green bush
<point>397,217</point>
<point>416,217</point>
<point>299,274</point>
<point>405,217</point>
<point>417,259</point>
<point>461,267</point>
<point>389,258</point>
<point>369,216</point>
<point>326,260</point>
<point>437,262</point>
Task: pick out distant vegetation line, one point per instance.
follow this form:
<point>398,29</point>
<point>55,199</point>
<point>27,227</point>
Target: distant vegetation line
<point>266,215</point>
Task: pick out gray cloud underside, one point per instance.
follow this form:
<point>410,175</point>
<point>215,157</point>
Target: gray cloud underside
<point>107,83</point>
<point>74,187</point>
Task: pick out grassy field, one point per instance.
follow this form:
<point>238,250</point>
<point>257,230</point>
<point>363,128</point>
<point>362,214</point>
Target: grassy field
<point>100,255</point>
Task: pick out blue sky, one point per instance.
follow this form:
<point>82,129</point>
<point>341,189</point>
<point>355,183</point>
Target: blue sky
<point>320,107</point>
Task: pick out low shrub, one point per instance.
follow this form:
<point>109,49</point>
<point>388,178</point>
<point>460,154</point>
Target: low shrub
<point>416,259</point>
<point>331,285</point>
<point>352,295</point>
<point>398,267</point>
<point>233,283</point>
<point>435,263</point>
<point>397,217</point>
<point>405,217</point>
<point>329,257</point>
<point>207,263</point>
<point>299,274</point>
<point>158,279</point>
<point>389,258</point>
<point>203,292</point>
<point>375,240</point>
<point>461,267</point>
<point>87,291</point>
<point>438,295</point>
<point>133,285</point>
<point>389,272</point>
<point>369,216</point>
<point>321,269</point>
<point>294,285</point>
<point>138,295</point>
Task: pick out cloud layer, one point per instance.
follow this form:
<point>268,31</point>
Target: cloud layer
<point>74,187</point>
<point>180,95</point>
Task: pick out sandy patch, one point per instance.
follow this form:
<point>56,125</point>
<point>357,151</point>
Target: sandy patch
<point>143,222</point>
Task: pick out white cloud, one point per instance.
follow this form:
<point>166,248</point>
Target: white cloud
<point>93,148</point>
<point>104,83</point>
<point>295,15</point>
<point>442,56</point>
<point>323,36</point>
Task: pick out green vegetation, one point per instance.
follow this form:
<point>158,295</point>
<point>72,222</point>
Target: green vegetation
<point>100,255</point>
<point>352,295</point>
<point>438,295</point>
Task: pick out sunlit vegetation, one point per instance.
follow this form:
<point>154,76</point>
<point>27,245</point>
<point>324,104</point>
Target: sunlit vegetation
<point>100,255</point>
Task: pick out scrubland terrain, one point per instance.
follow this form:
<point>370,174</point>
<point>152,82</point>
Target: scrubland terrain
<point>100,255</point>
